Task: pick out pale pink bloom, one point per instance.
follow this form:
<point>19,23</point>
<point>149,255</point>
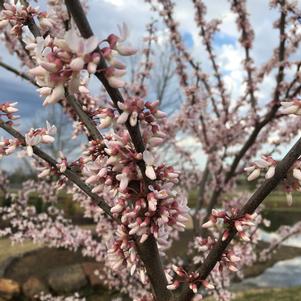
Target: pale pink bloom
<point>232,267</point>
<point>92,179</point>
<point>117,208</point>
<point>45,23</point>
<point>270,173</point>
<point>142,276</point>
<point>149,161</point>
<point>254,174</point>
<point>79,45</point>
<point>173,285</point>
<point>38,71</point>
<point>83,89</point>
<point>289,198</point>
<point>207,285</point>
<point>193,287</point>
<point>3,23</point>
<point>124,181</point>
<point>297,173</point>
<point>225,235</point>
<point>234,258</point>
<point>208,224</point>
<point>133,118</point>
<point>116,82</point>
<point>77,64</point>
<point>57,94</point>
<point>122,49</point>
<point>291,107</point>
<point>243,236</point>
<point>143,238</point>
<point>10,108</point>
<point>238,226</point>
<point>123,117</point>
<point>45,91</point>
<point>105,122</point>
<point>44,173</point>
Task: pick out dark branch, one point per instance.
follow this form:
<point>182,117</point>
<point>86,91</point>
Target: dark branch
<point>87,121</point>
<point>19,73</point>
<point>255,200</point>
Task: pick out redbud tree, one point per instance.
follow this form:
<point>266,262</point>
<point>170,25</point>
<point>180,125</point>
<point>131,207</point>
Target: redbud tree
<point>122,178</point>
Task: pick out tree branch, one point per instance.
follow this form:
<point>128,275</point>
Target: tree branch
<point>18,73</point>
<point>87,121</point>
<point>148,251</point>
<point>255,200</point>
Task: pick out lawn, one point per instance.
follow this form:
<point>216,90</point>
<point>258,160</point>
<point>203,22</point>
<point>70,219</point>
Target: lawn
<point>287,294</point>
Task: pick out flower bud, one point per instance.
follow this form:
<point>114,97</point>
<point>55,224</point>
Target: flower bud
<point>77,64</point>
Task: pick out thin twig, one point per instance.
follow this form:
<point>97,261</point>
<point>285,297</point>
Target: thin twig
<point>18,73</point>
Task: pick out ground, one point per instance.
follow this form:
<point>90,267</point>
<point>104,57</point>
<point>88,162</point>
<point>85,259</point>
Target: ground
<point>287,294</point>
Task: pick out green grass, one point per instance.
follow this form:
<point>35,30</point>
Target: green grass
<point>7,249</point>
<point>277,199</point>
<point>287,294</point>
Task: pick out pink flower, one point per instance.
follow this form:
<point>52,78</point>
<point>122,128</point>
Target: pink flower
<point>149,161</point>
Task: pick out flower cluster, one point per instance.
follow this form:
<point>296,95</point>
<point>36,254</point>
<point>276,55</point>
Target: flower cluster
<point>18,15</point>
<point>8,109</point>
<point>229,260</point>
<point>38,136</point>
<point>116,47</point>
<point>239,222</point>
<point>123,252</point>
<point>145,202</point>
<point>8,146</point>
<point>291,183</point>
<point>192,279</point>
<point>60,62</point>
<point>265,163</point>
<point>151,119</point>
<point>291,107</point>
<point>115,170</point>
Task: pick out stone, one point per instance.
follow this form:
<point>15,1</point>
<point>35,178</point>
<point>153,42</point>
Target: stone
<point>89,270</point>
<point>33,286</point>
<point>67,279</point>
<point>9,288</point>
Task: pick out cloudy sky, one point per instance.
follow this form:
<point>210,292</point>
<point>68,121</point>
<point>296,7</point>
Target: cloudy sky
<point>104,16</point>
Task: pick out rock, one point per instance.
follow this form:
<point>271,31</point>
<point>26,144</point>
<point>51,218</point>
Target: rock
<point>89,270</point>
<point>33,286</point>
<point>9,288</point>
<point>67,279</point>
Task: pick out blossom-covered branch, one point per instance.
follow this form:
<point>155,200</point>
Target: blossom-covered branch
<point>68,172</point>
<point>249,208</point>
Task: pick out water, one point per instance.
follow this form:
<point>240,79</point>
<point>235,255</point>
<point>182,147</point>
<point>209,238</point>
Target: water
<point>286,273</point>
<point>294,241</point>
